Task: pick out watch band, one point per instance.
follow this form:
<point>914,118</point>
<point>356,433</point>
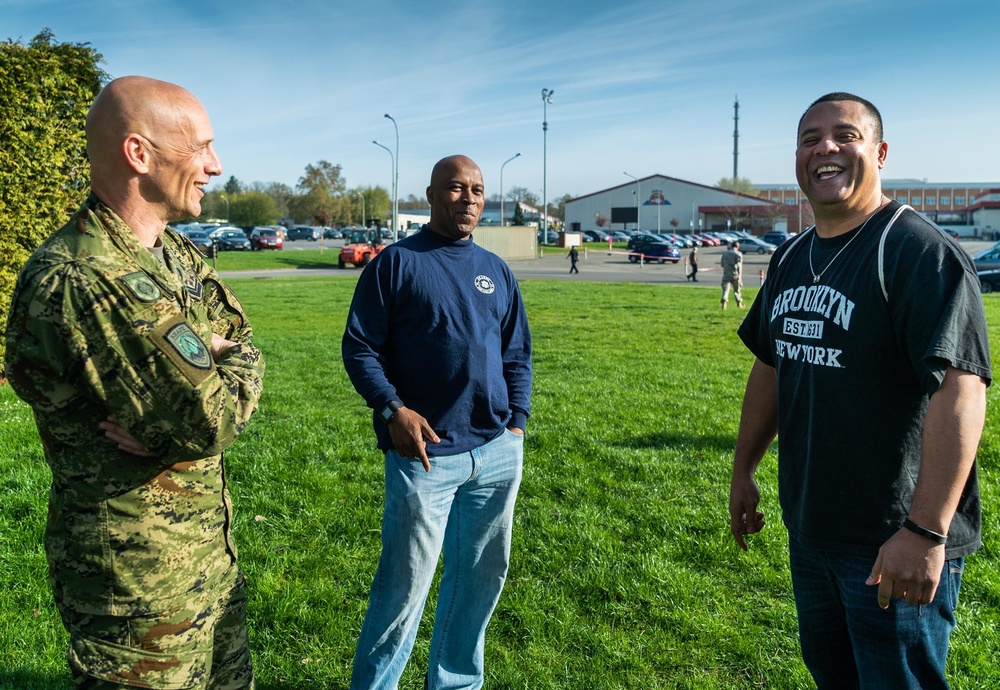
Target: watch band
<point>390,410</point>
<point>924,532</point>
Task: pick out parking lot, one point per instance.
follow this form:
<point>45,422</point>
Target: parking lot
<point>597,265</point>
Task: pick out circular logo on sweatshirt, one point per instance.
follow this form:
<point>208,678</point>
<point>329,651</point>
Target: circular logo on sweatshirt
<point>485,285</point>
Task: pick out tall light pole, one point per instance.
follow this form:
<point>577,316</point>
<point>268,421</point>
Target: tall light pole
<point>226,199</point>
<point>393,161</point>
<point>638,193</point>
<point>503,218</point>
<point>546,99</point>
<point>395,183</point>
<point>364,223</point>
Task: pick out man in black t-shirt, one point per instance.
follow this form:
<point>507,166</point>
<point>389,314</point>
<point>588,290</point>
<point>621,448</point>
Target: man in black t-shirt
<point>872,367</point>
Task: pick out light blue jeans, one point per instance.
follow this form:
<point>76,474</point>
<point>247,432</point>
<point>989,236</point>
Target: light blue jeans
<point>464,507</point>
<point>849,642</point>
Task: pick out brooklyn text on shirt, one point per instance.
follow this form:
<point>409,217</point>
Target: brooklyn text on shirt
<point>815,299</point>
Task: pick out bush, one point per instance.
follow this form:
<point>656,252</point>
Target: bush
<point>47,89</point>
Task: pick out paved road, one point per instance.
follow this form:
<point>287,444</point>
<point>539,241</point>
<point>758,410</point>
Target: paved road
<point>596,265</point>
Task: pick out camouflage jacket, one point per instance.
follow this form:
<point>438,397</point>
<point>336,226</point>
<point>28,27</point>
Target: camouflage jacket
<point>732,265</point>
<point>99,326</point>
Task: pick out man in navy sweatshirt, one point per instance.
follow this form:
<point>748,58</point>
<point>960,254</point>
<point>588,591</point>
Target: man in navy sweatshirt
<point>437,343</point>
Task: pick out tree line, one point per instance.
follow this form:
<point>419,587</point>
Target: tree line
<point>321,197</point>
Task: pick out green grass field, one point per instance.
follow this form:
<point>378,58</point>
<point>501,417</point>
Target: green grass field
<point>623,571</point>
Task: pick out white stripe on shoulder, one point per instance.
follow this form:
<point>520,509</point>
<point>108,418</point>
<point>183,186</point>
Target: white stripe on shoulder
<point>881,249</point>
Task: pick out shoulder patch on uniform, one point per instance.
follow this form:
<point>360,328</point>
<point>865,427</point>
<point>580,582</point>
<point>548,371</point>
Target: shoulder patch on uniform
<point>189,346</point>
<point>141,286</point>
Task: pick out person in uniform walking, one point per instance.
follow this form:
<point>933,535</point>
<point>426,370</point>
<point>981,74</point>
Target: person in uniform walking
<point>139,366</point>
<point>732,273</point>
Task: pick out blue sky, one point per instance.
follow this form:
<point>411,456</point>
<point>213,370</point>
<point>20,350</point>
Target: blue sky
<point>642,87</point>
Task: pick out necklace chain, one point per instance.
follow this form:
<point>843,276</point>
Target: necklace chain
<point>812,241</point>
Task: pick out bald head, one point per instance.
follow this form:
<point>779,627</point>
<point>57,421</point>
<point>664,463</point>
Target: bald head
<point>134,105</point>
<point>456,195</point>
<point>444,168</point>
<point>150,149</point>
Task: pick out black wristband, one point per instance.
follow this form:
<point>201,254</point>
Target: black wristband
<point>924,532</point>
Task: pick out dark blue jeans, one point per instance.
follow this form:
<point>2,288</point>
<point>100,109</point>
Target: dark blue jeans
<point>849,642</point>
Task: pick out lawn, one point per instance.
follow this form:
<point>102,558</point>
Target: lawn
<point>277,258</point>
<point>623,571</point>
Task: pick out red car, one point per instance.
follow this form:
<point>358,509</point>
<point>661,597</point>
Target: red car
<point>266,238</point>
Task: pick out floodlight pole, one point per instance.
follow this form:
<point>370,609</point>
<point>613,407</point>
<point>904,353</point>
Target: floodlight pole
<point>546,99</point>
<point>395,183</point>
<point>503,218</point>
<point>393,162</point>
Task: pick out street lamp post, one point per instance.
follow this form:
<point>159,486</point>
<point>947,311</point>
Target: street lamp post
<point>546,99</point>
<point>392,159</point>
<point>364,222</point>
<point>638,193</point>
<point>226,199</point>
<point>395,183</point>
<point>503,218</point>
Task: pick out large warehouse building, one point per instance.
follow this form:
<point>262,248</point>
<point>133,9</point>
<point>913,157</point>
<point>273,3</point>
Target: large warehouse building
<point>667,204</point>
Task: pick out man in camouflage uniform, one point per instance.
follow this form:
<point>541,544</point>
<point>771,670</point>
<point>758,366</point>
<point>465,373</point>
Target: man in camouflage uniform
<point>732,273</point>
<point>138,364</point>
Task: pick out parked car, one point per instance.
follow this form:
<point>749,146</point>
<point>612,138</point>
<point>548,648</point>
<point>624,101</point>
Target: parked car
<point>595,236</point>
<point>201,240</point>
<point>641,238</point>
<point>775,237</point>
<point>708,240</point>
<point>660,252</point>
<point>755,245</point>
<point>334,233</point>
<point>988,259</point>
<point>230,240</point>
<point>266,238</point>
<point>216,232</point>
<point>727,237</point>
<point>989,281</point>
<point>303,232</point>
<point>552,238</point>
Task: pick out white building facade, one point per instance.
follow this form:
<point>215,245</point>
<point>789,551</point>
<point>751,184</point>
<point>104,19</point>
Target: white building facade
<point>667,204</point>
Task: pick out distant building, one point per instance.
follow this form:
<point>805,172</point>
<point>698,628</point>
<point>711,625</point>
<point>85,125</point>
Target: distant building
<point>667,204</point>
<point>532,214</point>
<point>967,207</point>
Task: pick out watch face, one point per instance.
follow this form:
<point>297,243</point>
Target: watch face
<point>390,410</point>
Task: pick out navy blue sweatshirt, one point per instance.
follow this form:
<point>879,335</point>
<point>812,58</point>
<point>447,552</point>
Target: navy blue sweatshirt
<point>439,325</point>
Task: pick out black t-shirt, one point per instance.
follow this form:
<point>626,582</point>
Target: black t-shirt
<point>856,367</point>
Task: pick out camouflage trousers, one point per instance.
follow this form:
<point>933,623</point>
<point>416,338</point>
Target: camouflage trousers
<point>201,644</point>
